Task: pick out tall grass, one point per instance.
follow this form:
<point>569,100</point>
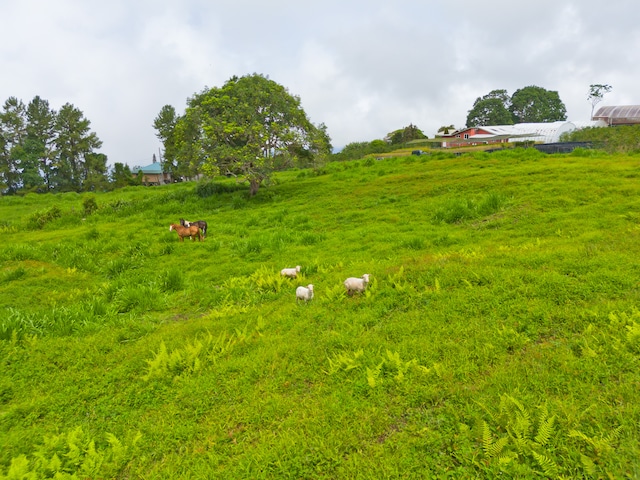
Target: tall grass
<point>499,335</point>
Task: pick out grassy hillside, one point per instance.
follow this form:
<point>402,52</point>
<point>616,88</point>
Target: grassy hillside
<point>500,332</point>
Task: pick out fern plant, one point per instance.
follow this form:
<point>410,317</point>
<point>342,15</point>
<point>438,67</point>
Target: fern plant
<point>527,443</point>
<point>491,447</point>
<point>194,355</point>
<point>267,281</point>
<point>345,362</point>
<point>73,455</point>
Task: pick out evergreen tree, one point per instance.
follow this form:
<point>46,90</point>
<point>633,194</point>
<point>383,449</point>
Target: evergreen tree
<point>74,143</point>
<point>121,176</point>
<point>165,125</point>
<point>39,146</point>
<point>12,135</point>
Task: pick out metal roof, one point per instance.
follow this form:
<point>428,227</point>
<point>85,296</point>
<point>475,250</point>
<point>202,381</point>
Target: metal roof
<point>619,114</point>
<point>150,169</point>
<point>540,132</point>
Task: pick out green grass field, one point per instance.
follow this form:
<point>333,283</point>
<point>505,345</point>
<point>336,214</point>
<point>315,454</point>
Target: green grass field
<point>499,335</point>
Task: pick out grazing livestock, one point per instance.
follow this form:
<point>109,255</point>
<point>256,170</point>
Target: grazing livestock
<point>192,232</point>
<point>304,293</point>
<point>356,284</point>
<point>290,272</point>
<point>200,223</point>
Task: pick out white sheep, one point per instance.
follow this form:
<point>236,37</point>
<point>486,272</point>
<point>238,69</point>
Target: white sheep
<point>290,272</point>
<point>353,284</point>
<point>304,293</point>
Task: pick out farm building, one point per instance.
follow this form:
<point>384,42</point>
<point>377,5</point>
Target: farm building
<point>619,115</point>
<point>520,132</point>
<point>153,174</point>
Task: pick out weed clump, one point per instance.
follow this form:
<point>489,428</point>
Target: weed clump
<point>39,219</point>
<point>457,210</point>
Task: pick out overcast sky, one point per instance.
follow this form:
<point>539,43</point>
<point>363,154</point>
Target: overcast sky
<point>363,68</point>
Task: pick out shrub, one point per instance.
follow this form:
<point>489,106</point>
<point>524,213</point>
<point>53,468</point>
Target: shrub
<point>90,205</point>
<point>39,219</point>
<point>209,188</point>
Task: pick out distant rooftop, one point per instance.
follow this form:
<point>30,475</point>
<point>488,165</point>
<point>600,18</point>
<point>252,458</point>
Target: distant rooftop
<point>619,115</point>
<point>149,169</point>
<point>547,132</point>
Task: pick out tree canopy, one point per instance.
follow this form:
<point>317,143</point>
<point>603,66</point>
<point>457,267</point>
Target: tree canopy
<point>404,135</point>
<point>42,150</point>
<point>445,129</point>
<point>529,104</point>
<point>249,127</point>
<point>492,109</point>
<point>535,104</point>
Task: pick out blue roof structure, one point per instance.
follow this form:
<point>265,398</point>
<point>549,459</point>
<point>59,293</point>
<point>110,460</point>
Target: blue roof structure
<point>154,168</point>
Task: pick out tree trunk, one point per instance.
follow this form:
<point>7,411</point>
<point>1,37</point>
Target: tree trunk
<point>254,185</point>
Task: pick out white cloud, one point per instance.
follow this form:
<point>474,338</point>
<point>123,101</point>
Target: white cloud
<point>362,68</point>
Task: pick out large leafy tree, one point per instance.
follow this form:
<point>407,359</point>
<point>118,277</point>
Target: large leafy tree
<point>404,135</point>
<point>491,109</point>
<point>248,127</point>
<point>190,152</point>
<point>535,104</point>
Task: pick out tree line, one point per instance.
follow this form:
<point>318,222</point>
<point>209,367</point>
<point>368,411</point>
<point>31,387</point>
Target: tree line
<point>248,128</point>
<point>530,104</point>
<point>44,150</point>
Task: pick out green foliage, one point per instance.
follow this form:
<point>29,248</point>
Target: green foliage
<point>405,135</point>
<point>40,219</point>
<point>44,150</point>
<point>535,104</point>
<point>206,189</point>
<point>388,370</point>
<point>489,110</point>
<point>461,209</point>
<point>14,274</point>
<point>526,445</point>
<point>89,205</point>
<point>249,127</point>
<point>73,455</point>
<point>200,354</point>
<point>621,139</point>
<point>504,342</point>
<point>357,150</point>
<point>266,281</point>
<point>596,94</point>
<point>173,280</point>
<point>527,105</point>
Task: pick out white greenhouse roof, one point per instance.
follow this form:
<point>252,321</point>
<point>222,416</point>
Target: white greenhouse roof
<point>538,132</point>
<point>619,114</point>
